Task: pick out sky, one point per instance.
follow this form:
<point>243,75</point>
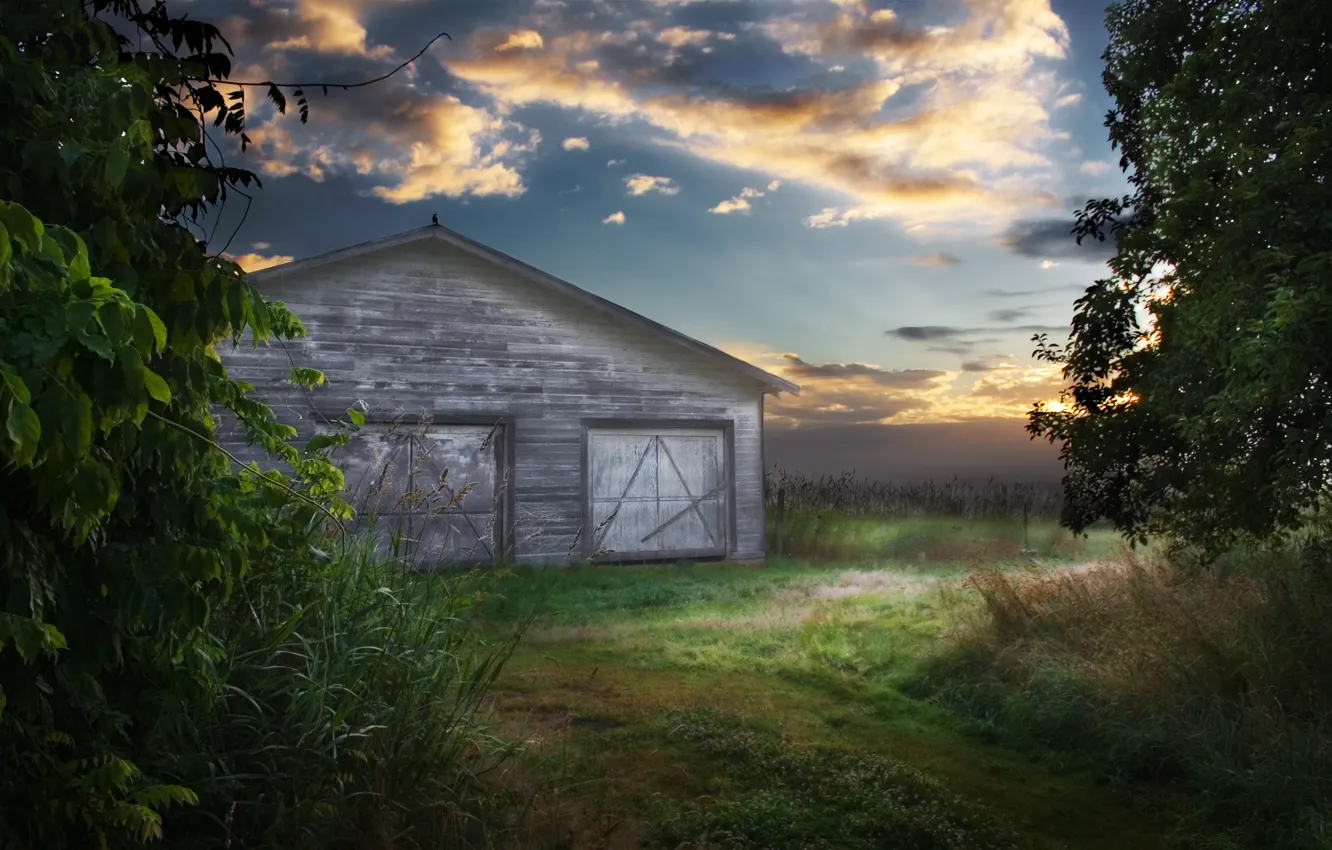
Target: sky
<point>871,198</point>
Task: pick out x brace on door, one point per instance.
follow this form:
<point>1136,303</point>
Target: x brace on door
<point>657,443</point>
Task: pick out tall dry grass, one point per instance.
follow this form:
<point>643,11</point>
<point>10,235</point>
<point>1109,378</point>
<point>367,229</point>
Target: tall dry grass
<point>846,493</point>
<point>1216,685</point>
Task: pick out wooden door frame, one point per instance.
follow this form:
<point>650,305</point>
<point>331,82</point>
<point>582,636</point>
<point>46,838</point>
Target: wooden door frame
<point>504,536</point>
<point>726,426</point>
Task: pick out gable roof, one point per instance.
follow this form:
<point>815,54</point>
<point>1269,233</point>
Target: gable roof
<point>274,274</point>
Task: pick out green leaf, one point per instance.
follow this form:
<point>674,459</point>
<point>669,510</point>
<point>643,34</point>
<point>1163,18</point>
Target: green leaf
<point>25,430</point>
<point>15,385</point>
<point>357,417</point>
<point>112,318</point>
<point>6,254</point>
<point>303,376</point>
<point>323,441</point>
<point>77,424</point>
<point>182,287</point>
<point>150,335</point>
<point>157,388</point>
<point>117,161</point>
<point>21,225</point>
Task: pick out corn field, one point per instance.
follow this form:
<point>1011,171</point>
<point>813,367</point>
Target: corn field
<point>847,494</point>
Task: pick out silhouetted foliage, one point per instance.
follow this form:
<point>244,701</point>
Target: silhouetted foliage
<point>1199,403</point>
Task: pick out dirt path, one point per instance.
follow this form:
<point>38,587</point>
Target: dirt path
<point>816,659</point>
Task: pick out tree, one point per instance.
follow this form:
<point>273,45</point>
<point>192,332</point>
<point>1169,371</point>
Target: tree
<point>1199,403</point>
<point>122,524</point>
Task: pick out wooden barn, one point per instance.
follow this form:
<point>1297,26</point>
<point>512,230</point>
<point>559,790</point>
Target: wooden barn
<point>580,429</point>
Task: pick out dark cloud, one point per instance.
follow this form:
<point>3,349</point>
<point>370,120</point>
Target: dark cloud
<point>961,348</point>
<point>1014,293</point>
<point>972,451</point>
<point>931,333</point>
<point>1048,238</point>
<point>926,333</point>
<point>894,378</point>
<point>1010,316</point>
<point>978,366</point>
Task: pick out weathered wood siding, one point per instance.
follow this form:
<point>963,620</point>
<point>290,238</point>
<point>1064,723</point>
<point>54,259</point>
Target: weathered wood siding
<point>427,327</point>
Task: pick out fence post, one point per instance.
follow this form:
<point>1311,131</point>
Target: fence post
<point>781,518</point>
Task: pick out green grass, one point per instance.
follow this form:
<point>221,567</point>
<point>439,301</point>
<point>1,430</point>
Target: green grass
<point>624,661</point>
<point>830,535</point>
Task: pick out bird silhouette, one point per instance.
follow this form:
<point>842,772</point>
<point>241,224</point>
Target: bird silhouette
<point>434,219</point>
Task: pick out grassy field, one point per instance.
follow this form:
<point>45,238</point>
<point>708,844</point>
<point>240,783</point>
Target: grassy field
<point>772,706</point>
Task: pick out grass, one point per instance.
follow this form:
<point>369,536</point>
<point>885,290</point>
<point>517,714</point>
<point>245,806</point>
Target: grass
<point>343,711</point>
<point>1214,691</point>
<point>697,705</point>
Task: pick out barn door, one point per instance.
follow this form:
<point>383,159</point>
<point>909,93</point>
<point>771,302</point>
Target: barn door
<point>657,493</point>
<point>438,486</point>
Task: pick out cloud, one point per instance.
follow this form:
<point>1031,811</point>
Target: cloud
<point>522,40</point>
<point>681,36</point>
<point>641,184</point>
<point>862,393</point>
<point>577,143</point>
<point>1053,237</point>
<point>1095,168</point>
<point>324,26</point>
<point>1068,100</point>
<point>934,333</point>
<point>953,124</point>
<point>740,202</point>
<point>614,163</point>
<point>1048,264</point>
<point>409,144</point>
<point>1009,316</point>
<point>899,378</point>
<point>616,217</point>
<point>255,262</point>
<point>1014,293</point>
<point>934,260</point>
<point>926,333</point>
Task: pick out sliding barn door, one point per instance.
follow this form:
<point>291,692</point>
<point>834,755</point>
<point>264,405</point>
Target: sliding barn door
<point>657,493</point>
<point>437,488</point>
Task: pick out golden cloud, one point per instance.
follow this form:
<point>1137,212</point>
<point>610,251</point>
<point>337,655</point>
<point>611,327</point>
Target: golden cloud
<point>616,217</point>
<point>331,26</point>
<point>522,40</point>
<point>577,143</point>
<point>934,260</point>
<point>740,202</point>
<point>641,184</point>
<point>971,149</point>
<point>255,262</point>
<point>425,146</point>
<point>860,393</point>
<point>681,36</point>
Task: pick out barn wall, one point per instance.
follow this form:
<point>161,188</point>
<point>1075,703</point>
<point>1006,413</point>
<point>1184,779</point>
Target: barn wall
<point>429,327</point>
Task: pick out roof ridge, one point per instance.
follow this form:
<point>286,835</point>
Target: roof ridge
<point>438,231</point>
